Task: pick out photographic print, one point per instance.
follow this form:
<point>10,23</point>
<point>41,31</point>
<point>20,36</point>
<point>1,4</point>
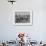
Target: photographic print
<point>23,18</point>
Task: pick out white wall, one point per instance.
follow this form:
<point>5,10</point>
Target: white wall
<point>9,31</point>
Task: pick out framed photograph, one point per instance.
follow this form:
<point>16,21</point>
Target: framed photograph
<point>23,18</point>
